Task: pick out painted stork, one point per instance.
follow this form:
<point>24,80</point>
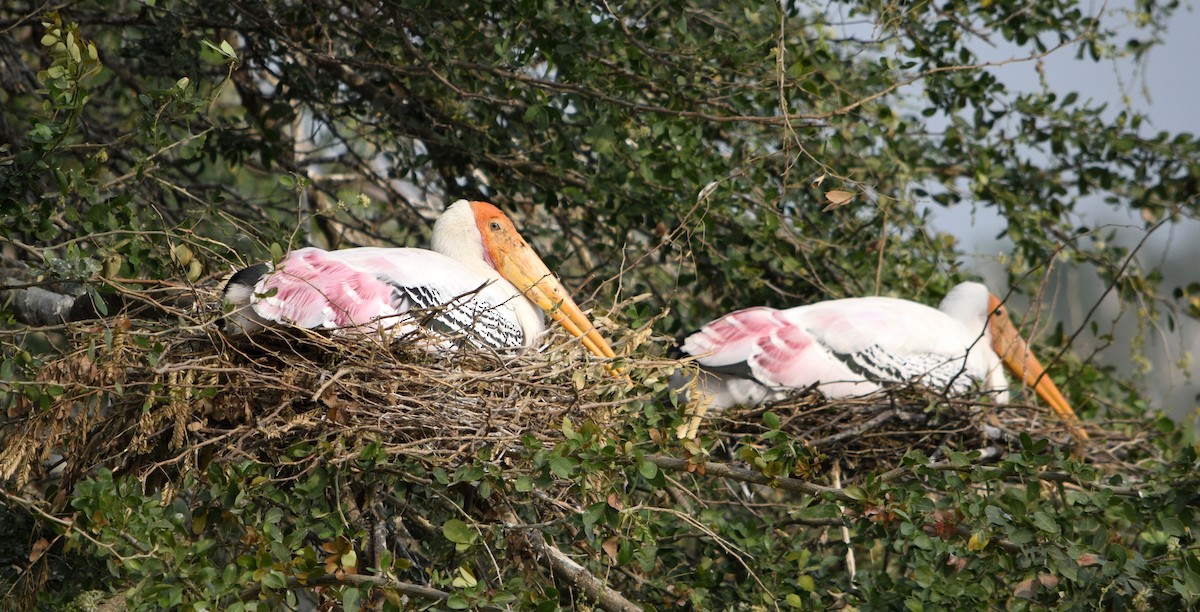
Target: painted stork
<point>481,286</point>
<point>857,346</point>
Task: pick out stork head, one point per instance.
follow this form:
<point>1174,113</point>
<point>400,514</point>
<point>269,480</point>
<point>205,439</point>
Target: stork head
<point>1019,359</point>
<point>481,227</point>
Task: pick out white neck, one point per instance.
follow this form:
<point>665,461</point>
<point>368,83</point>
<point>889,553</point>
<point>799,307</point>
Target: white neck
<point>968,304</point>
<point>456,235</point>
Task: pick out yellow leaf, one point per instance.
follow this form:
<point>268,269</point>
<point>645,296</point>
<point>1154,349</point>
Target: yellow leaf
<point>73,49</point>
<point>182,254</point>
<point>465,578</point>
<point>977,542</point>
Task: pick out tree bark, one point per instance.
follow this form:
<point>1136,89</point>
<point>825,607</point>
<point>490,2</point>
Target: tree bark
<point>34,305</point>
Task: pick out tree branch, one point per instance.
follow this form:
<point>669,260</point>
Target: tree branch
<point>727,471</point>
<point>34,305</point>
<point>567,569</point>
<point>404,588</point>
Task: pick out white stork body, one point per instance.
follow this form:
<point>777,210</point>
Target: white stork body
<point>466,290</point>
<point>376,288</point>
<point>857,346</point>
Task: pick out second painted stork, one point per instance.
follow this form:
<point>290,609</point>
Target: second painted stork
<point>482,285</point>
<point>856,346</point>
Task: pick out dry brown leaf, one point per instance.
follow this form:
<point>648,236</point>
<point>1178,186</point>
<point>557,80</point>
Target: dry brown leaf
<point>39,549</point>
<point>610,548</point>
<point>956,562</point>
<point>1026,589</point>
<point>615,502</point>
<point>1087,559</point>
<point>836,199</point>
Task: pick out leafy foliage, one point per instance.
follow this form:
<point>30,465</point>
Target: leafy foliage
<point>700,156</point>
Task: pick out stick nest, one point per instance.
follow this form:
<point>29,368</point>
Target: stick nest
<point>143,395</point>
<point>155,397</point>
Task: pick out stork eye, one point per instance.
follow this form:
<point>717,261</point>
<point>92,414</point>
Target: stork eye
<point>494,226</point>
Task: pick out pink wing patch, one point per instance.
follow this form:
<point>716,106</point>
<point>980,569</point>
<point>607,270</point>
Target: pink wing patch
<point>791,358</point>
<point>733,338</point>
<point>779,353</point>
<point>311,290</point>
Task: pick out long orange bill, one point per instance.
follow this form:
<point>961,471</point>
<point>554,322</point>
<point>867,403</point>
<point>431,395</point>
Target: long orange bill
<point>524,269</point>
<point>1019,359</point>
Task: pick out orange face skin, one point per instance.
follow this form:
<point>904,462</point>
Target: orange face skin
<point>1019,359</point>
<point>516,261</point>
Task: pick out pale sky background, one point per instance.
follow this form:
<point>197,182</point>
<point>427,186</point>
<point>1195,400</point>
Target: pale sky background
<point>1166,89</point>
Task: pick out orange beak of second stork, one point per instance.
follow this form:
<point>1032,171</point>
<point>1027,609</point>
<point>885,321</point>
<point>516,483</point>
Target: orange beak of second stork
<point>1019,360</point>
<point>517,262</point>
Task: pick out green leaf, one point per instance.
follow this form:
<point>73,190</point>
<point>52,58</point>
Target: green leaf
<point>1043,521</point>
<point>771,420</point>
<point>523,484</point>
<point>458,532</point>
<point>273,579</point>
<point>855,493</point>
<point>1172,526</point>
<point>594,513</point>
<point>350,598</point>
<point>563,466</point>
<point>806,582</point>
<point>532,113</point>
<point>647,469</point>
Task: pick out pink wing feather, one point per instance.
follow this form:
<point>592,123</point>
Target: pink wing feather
<point>311,289</point>
<point>733,338</point>
<point>777,352</point>
<point>376,288</point>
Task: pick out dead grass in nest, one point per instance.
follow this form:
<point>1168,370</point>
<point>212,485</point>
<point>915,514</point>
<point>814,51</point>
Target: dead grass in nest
<point>872,434</point>
<point>150,397</point>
